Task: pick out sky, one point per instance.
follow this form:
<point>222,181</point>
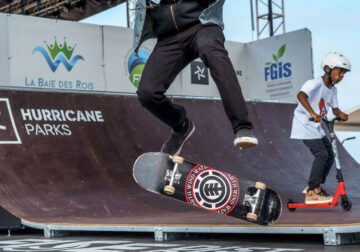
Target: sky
<point>335,27</point>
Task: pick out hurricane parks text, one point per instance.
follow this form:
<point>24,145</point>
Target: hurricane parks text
<point>56,122</point>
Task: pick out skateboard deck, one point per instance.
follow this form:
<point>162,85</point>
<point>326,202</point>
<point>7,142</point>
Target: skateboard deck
<point>207,188</point>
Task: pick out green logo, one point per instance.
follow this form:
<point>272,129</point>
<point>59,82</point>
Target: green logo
<point>55,49</point>
<point>280,53</point>
<point>56,54</point>
<point>278,69</point>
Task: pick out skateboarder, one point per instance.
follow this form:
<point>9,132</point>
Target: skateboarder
<point>186,30</point>
<point>315,98</point>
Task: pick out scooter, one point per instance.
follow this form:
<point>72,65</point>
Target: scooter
<point>340,191</point>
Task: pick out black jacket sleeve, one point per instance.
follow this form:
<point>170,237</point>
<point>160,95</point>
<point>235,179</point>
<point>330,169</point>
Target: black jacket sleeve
<point>205,3</point>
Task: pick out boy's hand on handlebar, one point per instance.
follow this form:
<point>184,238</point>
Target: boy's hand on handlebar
<point>343,117</point>
<point>316,118</point>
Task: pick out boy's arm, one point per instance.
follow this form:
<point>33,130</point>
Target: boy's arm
<point>340,114</point>
<point>303,99</point>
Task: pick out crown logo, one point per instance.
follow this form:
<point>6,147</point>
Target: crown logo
<point>56,54</point>
<point>56,48</point>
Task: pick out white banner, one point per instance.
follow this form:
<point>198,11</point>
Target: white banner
<point>54,54</point>
<point>279,66</point>
<point>196,78</point>
<point>4,51</point>
<point>62,55</point>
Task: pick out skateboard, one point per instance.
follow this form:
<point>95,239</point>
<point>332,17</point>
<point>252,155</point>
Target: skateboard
<point>207,188</point>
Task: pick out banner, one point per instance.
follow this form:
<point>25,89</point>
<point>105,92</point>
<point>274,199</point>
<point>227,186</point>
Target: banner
<point>4,51</point>
<point>279,66</point>
<point>72,56</point>
<point>56,54</point>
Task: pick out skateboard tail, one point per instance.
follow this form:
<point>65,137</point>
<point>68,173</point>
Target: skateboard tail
<point>148,171</point>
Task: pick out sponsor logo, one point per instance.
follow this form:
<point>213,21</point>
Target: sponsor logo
<point>211,189</point>
<point>55,54</point>
<point>199,73</point>
<point>8,131</point>
<point>56,122</point>
<point>277,75</point>
<point>42,122</point>
<point>135,65</point>
<point>278,69</point>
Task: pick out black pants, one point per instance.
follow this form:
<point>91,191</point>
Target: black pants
<point>324,158</point>
<point>173,54</point>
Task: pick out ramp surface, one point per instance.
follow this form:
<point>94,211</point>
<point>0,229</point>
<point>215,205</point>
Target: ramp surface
<point>74,169</point>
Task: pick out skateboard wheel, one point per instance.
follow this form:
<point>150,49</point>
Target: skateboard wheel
<point>177,159</point>
<point>251,216</point>
<point>259,185</point>
<point>169,190</point>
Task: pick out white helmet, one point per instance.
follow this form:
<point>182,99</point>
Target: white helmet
<point>336,60</point>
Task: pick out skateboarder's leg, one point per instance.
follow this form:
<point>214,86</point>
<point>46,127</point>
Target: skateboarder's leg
<point>161,69</point>
<point>210,48</point>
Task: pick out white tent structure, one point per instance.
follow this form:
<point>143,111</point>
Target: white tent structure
<point>354,121</point>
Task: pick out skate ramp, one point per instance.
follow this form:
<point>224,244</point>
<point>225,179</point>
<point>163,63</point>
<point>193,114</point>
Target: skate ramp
<point>353,124</point>
<point>67,168</point>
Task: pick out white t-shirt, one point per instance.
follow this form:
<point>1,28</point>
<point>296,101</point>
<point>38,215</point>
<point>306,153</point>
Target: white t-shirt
<point>321,98</point>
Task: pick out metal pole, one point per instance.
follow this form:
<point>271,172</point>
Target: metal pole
<point>270,19</point>
<point>9,6</point>
<point>127,14</point>
<point>257,20</point>
<point>346,139</point>
<point>38,6</point>
<point>283,16</point>
<point>252,15</point>
<point>22,7</point>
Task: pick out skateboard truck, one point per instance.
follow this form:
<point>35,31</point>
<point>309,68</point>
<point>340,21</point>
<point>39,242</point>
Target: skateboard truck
<point>174,175</point>
<point>253,201</point>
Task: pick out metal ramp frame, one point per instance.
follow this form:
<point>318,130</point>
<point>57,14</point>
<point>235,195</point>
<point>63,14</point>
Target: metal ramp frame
<point>333,235</point>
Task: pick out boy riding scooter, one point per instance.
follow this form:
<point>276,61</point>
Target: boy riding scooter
<point>315,97</point>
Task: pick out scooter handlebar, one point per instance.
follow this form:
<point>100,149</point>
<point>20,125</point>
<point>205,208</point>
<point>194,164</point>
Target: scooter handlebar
<point>329,124</point>
<point>326,120</point>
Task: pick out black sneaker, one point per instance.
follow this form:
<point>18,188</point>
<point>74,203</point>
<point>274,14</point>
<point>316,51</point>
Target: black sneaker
<point>245,139</point>
<point>174,143</point>
<point>317,196</point>
<point>322,190</point>
<point>325,192</point>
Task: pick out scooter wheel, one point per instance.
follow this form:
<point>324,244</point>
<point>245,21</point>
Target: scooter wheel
<point>346,203</point>
<point>291,201</point>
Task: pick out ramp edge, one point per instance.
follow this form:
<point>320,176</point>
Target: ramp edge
<point>333,235</point>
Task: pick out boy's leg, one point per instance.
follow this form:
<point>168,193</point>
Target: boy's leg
<point>321,156</point>
<point>328,164</point>
<point>315,193</point>
<point>330,159</point>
